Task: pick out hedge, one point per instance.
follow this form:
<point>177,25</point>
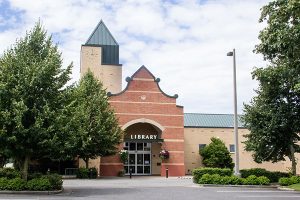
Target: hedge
<point>55,180</point>
<point>15,184</point>
<point>233,180</point>
<point>199,172</point>
<point>87,173</point>
<point>289,181</point>
<point>39,184</point>
<point>9,173</point>
<point>43,183</point>
<point>273,176</point>
<point>34,175</point>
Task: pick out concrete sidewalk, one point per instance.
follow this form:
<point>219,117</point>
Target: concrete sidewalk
<point>134,182</point>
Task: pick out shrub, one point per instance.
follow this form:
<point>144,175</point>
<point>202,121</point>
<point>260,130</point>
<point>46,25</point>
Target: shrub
<point>93,173</point>
<point>216,155</point>
<point>9,173</point>
<point>273,176</point>
<point>216,179</point>
<point>199,172</point>
<point>34,176</point>
<point>121,173</point>
<point>55,180</point>
<point>295,179</point>
<point>82,173</point>
<point>250,180</point>
<point>230,180</point>
<point>205,179</point>
<point>262,180</point>
<point>39,184</point>
<point>46,182</point>
<point>3,183</point>
<point>289,181</point>
<point>87,173</point>
<point>233,180</point>
<point>16,184</point>
<point>225,180</point>
<point>254,180</point>
<point>285,181</point>
<point>123,155</point>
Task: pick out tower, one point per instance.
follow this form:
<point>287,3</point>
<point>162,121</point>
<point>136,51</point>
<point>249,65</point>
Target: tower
<point>100,54</point>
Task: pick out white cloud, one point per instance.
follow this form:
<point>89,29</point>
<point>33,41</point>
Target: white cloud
<point>185,44</point>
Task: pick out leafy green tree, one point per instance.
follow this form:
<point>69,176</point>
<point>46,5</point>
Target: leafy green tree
<point>273,116</point>
<point>216,155</point>
<point>93,122</point>
<point>32,86</point>
<point>280,38</point>
<point>3,158</point>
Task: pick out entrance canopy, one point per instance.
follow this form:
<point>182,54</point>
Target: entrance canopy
<point>143,132</point>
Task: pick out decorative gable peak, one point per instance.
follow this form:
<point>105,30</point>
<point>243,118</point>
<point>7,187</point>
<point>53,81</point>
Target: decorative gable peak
<point>144,73</point>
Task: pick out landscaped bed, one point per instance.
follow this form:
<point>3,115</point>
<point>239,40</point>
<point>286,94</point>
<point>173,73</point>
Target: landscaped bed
<point>256,176</point>
<point>10,180</point>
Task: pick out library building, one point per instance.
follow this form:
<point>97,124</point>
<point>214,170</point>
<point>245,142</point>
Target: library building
<point>153,123</point>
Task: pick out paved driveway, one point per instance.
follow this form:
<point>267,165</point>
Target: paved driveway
<point>155,188</point>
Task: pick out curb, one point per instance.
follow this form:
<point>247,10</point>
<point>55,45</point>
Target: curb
<point>31,192</point>
<point>242,186</point>
<point>286,189</point>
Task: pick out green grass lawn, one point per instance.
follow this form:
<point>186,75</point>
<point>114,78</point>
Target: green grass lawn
<point>295,187</point>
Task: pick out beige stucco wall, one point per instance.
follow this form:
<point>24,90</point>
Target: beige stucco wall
<point>195,136</point>
<point>92,163</point>
<point>109,75</point>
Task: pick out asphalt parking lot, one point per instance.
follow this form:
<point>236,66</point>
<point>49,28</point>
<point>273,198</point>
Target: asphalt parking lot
<point>155,188</point>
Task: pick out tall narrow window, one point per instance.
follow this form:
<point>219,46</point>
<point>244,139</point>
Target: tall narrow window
<point>201,146</point>
<point>231,148</point>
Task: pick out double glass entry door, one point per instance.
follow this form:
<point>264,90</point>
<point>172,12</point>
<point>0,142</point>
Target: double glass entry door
<point>139,158</point>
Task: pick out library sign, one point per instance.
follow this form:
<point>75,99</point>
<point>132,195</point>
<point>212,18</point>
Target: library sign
<point>143,137</point>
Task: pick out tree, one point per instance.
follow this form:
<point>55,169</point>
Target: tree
<point>273,116</point>
<point>216,155</point>
<point>3,158</point>
<point>32,84</point>
<point>97,132</point>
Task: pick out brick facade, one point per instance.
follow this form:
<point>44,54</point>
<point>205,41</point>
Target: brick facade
<point>143,100</point>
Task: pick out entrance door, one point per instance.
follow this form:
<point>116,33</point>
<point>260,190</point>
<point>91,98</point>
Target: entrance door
<point>139,158</point>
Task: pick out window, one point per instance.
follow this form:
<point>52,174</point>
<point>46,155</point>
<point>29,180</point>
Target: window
<point>201,146</point>
<point>132,146</point>
<point>125,145</point>
<point>231,148</point>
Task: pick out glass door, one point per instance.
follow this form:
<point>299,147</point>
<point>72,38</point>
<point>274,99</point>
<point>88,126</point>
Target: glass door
<point>139,158</point>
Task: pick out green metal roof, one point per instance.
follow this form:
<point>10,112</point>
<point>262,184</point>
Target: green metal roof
<point>210,120</point>
<point>101,36</point>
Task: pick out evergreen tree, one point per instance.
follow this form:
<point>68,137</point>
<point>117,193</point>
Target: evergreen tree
<point>216,155</point>
<point>32,86</point>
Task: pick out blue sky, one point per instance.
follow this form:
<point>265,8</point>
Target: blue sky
<point>8,16</point>
<point>184,43</point>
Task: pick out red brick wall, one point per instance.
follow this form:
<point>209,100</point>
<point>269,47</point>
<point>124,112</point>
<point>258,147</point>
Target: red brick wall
<point>143,99</point>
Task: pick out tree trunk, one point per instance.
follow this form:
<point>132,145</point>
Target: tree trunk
<point>293,159</point>
<point>18,164</point>
<point>2,161</point>
<point>25,167</point>
<point>86,160</point>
